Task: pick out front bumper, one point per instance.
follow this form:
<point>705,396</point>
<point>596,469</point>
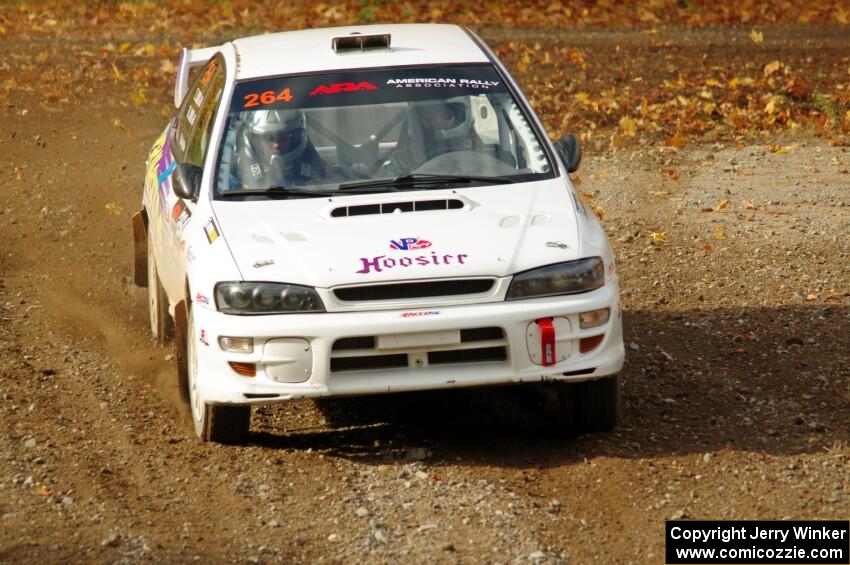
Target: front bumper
<point>404,349</point>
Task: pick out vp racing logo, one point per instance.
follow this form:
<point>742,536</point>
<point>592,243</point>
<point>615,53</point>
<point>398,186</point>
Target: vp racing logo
<point>409,244</point>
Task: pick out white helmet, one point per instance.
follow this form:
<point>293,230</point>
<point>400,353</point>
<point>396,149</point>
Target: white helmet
<point>274,136</point>
<point>449,119</point>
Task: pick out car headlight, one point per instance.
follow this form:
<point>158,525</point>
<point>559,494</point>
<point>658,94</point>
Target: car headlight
<point>266,298</point>
<point>571,277</point>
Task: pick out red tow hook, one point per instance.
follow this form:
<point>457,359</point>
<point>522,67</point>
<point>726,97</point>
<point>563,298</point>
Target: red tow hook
<point>547,340</point>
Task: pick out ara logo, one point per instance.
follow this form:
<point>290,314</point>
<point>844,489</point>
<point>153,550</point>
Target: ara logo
<point>409,243</point>
<point>338,87</point>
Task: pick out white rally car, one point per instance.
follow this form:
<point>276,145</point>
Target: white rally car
<point>368,210</point>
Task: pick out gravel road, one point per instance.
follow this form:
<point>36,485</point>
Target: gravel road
<point>736,285</point>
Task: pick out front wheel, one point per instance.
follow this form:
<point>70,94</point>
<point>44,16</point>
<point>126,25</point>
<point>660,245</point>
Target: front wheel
<point>589,406</point>
<point>213,422</point>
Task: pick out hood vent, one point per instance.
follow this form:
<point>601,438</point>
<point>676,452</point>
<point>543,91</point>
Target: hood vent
<point>392,207</point>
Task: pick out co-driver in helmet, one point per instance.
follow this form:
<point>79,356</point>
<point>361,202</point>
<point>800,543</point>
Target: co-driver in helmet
<point>273,150</point>
<point>432,128</point>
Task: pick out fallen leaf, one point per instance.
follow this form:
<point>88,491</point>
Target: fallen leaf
<point>723,204</point>
<point>747,204</point>
<point>708,248</point>
<point>772,104</point>
<point>576,180</point>
<point>719,234</point>
<point>659,237</point>
<point>659,193</point>
<point>167,67</point>
<point>628,125</point>
<point>582,97</point>
<point>757,37</point>
<point>771,68</point>
<point>138,97</point>
<point>146,50</point>
<point>42,490</point>
<point>797,88</point>
<point>116,122</point>
<point>676,141</point>
<point>600,213</point>
<point>811,297</point>
<point>576,57</point>
<point>114,208</point>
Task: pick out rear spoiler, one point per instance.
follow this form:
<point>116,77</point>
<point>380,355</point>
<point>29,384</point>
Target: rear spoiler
<point>189,59</point>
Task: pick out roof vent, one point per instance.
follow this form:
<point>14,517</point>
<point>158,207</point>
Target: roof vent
<point>350,43</point>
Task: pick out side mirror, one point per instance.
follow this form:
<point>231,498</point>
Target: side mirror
<point>186,180</point>
<point>570,152</point>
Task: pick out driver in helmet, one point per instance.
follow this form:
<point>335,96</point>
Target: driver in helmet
<point>272,150</point>
<point>432,128</point>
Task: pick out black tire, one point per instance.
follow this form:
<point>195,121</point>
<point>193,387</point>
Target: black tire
<point>589,406</point>
<point>161,324</point>
<point>219,423</point>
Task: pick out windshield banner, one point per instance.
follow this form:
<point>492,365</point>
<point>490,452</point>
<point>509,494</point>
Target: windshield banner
<point>351,88</point>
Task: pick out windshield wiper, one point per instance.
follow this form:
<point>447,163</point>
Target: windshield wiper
<point>422,179</point>
<point>287,192</point>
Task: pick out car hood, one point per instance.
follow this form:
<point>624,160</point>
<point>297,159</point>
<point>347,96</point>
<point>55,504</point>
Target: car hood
<point>481,231</point>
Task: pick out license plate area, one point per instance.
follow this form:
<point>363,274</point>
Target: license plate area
<point>418,340</point>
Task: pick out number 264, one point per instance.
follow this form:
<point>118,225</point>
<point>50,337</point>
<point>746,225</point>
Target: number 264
<point>267,97</point>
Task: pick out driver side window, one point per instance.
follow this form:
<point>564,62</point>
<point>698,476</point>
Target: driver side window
<point>195,118</point>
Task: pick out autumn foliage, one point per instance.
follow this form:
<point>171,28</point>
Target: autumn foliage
<point>653,85</point>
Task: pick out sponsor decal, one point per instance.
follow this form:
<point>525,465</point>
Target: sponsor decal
<point>441,83</point>
<point>382,263</point>
<point>266,97</point>
<point>263,263</point>
<point>420,314</point>
<point>155,165</point>
<point>191,115</point>
<point>199,98</point>
<point>201,299</point>
<point>208,75</point>
<point>190,255</point>
<point>166,172</point>
<point>211,230</point>
<point>558,244</point>
<point>409,243</point>
<point>180,215</point>
<point>164,167</point>
<point>338,87</point>
<point>203,338</point>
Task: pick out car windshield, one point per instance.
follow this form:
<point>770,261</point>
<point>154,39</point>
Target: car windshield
<point>376,131</point>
